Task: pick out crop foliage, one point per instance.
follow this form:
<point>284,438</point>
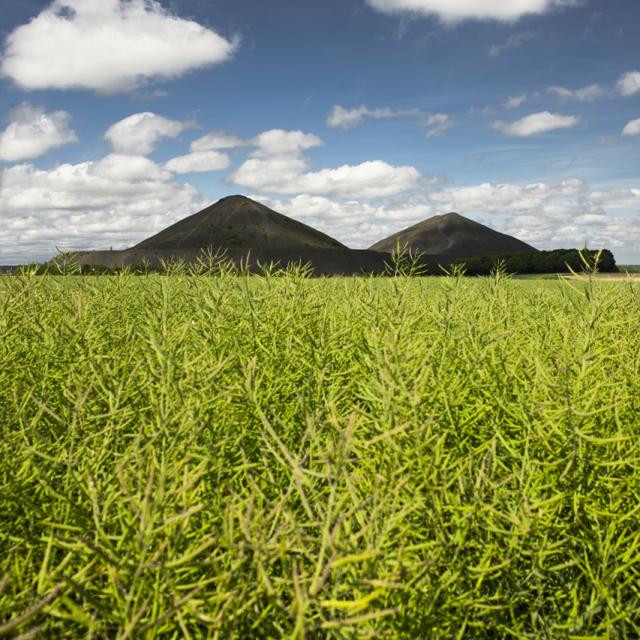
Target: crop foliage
<point>278,456</point>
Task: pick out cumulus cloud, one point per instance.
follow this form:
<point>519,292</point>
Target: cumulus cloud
<point>629,83</point>
<point>620,234</point>
<point>510,198</point>
<point>358,224</point>
<point>115,201</point>
<point>120,168</point>
<point>372,179</point>
<point>536,123</point>
<point>32,132</point>
<point>278,142</point>
<point>345,119</point>
<point>108,46</point>
<point>217,140</point>
<point>113,179</point>
<point>139,133</point>
<point>586,94</point>
<point>514,41</point>
<point>616,198</point>
<point>632,128</point>
<point>457,10</point>
<point>199,161</point>
<point>278,166</point>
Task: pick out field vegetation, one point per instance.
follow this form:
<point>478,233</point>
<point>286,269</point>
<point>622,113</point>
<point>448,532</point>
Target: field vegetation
<point>186,456</point>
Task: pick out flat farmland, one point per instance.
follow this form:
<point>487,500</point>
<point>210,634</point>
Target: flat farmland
<point>277,456</point>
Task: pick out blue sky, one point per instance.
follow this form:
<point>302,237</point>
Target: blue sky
<point>359,117</point>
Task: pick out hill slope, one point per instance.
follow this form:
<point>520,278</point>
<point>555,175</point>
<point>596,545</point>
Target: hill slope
<point>237,222</point>
<point>454,236</point>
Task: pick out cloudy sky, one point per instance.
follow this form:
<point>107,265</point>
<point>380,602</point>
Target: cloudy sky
<point>359,117</point>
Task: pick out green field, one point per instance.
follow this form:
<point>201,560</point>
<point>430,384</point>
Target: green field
<point>281,457</point>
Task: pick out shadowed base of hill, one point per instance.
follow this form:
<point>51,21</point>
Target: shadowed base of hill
<point>323,262</point>
<point>348,262</point>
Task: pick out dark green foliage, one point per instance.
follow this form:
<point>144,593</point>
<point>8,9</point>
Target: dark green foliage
<point>556,261</point>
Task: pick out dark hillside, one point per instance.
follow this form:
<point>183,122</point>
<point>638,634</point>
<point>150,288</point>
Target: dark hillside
<point>453,236</point>
<point>237,222</point>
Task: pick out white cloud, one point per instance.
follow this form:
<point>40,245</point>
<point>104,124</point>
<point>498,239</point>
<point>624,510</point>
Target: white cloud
<point>273,175</point>
<point>217,140</point>
<point>278,142</point>
<point>437,124</point>
<point>632,128</point>
<point>108,46</point>
<point>536,123</point>
<point>513,102</point>
<point>456,10</point>
<point>115,201</point>
<point>514,41</point>
<point>586,94</point>
<point>277,166</point>
<point>358,224</point>
<point>139,133</point>
<point>113,179</point>
<point>629,83</point>
<point>616,198</point>
<point>345,119</point>
<point>534,198</point>
<point>32,132</point>
<point>199,161</point>
<point>373,179</point>
<point>123,168</point>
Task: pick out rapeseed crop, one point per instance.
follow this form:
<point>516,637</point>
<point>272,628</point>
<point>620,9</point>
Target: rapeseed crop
<point>277,456</point>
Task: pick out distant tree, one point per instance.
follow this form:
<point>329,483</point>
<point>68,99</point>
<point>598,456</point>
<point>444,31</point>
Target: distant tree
<point>556,261</point>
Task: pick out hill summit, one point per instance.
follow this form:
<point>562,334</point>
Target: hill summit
<point>237,222</point>
<point>453,236</point>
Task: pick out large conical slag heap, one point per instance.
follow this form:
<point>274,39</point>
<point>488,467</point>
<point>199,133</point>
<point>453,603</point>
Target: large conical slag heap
<point>237,222</point>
